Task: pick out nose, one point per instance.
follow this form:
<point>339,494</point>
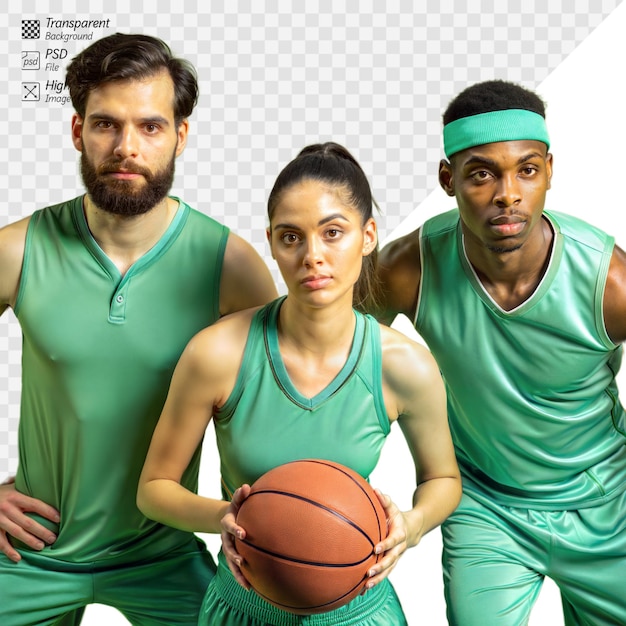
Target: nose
<point>127,144</point>
<point>312,252</point>
<point>508,191</point>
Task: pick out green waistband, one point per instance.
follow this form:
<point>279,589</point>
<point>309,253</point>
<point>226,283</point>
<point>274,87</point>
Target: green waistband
<point>229,591</point>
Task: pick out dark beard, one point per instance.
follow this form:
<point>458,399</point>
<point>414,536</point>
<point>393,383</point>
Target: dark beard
<point>118,196</point>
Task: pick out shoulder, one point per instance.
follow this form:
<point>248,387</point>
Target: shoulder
<point>246,280</point>
<point>210,363</point>
<point>402,251</point>
<point>198,218</point>
<point>404,254</point>
<point>207,370</point>
<point>12,245</point>
<point>412,382</point>
<point>238,249</point>
<point>615,297</point>
<point>399,271</point>
<point>405,361</point>
<point>223,339</point>
<point>581,235</point>
<point>14,235</point>
<point>580,231</point>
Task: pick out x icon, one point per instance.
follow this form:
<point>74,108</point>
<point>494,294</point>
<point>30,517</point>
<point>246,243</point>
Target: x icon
<point>31,91</point>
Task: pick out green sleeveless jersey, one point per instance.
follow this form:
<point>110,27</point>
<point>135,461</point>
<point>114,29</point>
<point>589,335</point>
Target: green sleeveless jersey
<point>532,398</point>
<point>266,422</point>
<point>99,350</point>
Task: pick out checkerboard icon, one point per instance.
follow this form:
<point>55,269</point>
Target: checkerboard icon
<point>30,29</point>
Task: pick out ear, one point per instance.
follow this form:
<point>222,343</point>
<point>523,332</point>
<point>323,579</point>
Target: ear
<point>446,178</point>
<point>268,234</point>
<point>370,236</point>
<point>549,164</point>
<point>77,132</point>
<point>182,132</point>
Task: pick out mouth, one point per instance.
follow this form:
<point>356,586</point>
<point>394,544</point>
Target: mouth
<point>122,170</point>
<point>318,281</point>
<point>123,174</point>
<point>507,225</point>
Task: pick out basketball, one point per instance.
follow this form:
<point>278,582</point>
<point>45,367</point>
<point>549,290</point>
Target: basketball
<point>311,529</point>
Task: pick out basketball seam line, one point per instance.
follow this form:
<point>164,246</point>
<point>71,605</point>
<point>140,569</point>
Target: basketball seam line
<point>334,466</point>
<point>303,561</point>
<point>318,505</point>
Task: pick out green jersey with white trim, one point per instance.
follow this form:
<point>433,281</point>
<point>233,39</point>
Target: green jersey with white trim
<point>532,399</point>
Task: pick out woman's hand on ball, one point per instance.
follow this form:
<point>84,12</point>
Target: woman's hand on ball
<point>230,530</point>
<point>393,546</point>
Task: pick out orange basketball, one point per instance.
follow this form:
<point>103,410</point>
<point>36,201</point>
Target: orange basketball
<point>311,528</point>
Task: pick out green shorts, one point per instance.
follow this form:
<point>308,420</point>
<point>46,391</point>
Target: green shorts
<point>166,591</point>
<point>496,557</point>
<point>227,603</point>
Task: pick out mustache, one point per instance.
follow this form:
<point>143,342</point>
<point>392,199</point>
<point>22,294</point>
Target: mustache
<point>110,167</point>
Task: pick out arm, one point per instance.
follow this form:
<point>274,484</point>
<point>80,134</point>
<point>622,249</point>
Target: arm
<point>246,280</point>
<point>13,504</point>
<point>615,297</point>
<point>202,380</point>
<point>415,392</point>
<point>12,243</point>
<point>399,272</point>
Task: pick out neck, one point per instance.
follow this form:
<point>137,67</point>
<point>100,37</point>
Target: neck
<point>510,278</point>
<point>314,343</point>
<point>124,239</point>
<point>316,330</point>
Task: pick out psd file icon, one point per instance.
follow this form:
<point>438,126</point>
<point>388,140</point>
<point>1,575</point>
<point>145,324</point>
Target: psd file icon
<point>31,59</point>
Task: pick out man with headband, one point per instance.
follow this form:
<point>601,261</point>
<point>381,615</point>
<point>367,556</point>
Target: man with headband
<point>525,311</point>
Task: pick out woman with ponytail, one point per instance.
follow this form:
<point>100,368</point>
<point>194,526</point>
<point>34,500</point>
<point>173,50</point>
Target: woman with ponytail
<point>307,376</point>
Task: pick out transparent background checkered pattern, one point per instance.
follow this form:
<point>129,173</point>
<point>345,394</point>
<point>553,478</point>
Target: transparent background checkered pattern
<point>274,79</point>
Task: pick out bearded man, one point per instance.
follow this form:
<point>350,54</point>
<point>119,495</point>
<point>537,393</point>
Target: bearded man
<point>108,288</point>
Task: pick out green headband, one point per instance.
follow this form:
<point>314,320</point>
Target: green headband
<point>508,125</point>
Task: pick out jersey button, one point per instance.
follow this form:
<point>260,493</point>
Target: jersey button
<point>120,298</point>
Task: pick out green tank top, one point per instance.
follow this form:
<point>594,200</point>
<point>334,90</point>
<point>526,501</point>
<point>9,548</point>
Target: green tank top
<point>266,422</point>
<point>532,398</point>
<point>99,350</point>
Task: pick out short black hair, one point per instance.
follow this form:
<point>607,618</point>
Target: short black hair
<point>131,57</point>
<point>493,95</point>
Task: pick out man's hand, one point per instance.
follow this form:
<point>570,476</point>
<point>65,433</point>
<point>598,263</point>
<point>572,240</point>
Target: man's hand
<point>14,522</point>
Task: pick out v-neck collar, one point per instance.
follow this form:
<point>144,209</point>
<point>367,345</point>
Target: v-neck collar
<point>556,252</point>
<point>270,335</point>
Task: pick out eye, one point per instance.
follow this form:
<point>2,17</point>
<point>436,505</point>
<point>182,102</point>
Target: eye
<point>289,238</point>
<point>529,170</point>
<point>151,128</point>
<point>333,233</point>
<point>104,124</point>
<point>480,175</point>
